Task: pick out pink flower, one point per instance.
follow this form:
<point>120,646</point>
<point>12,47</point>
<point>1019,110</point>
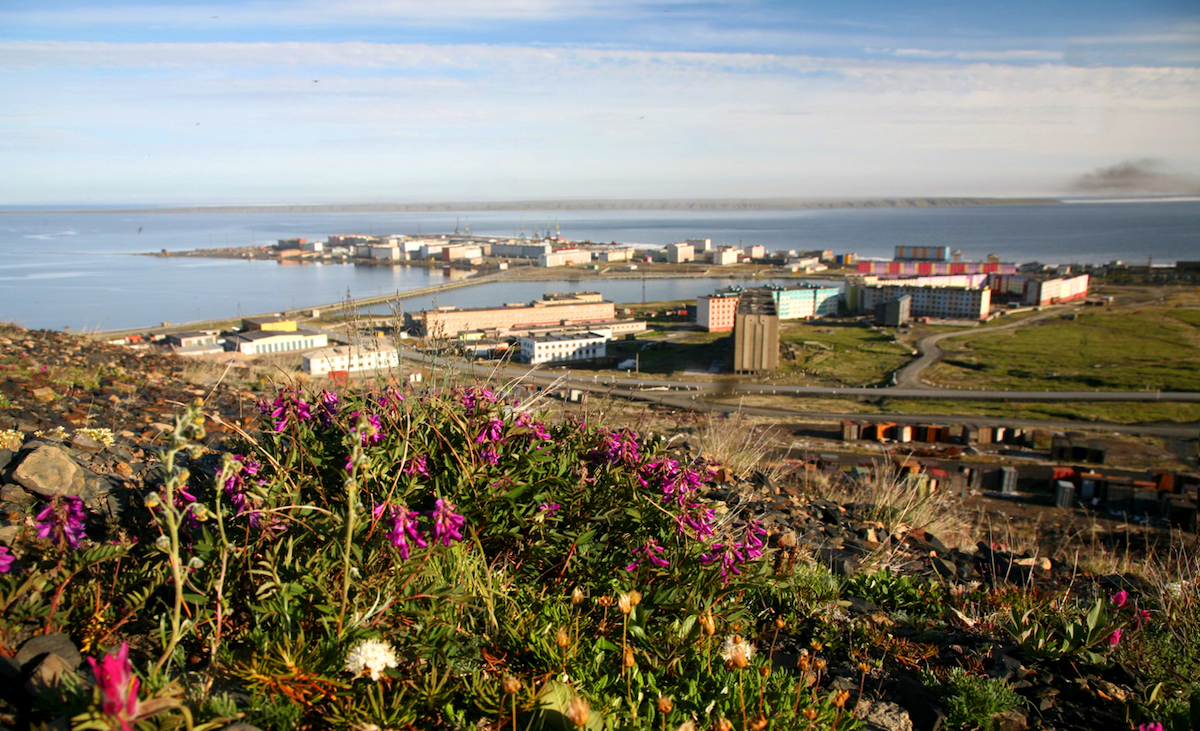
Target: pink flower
<point>1115,637</point>
<point>1152,726</point>
<point>649,552</point>
<point>118,687</point>
<point>404,529</point>
<point>447,524</point>
<point>1119,599</point>
<point>6,560</point>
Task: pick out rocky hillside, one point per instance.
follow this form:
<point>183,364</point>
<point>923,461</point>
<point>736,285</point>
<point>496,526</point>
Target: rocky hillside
<point>885,625</point>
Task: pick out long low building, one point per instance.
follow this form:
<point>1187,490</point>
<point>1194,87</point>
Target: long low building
<point>562,348</point>
<point>949,303</point>
<point>551,311</point>
<point>351,359</point>
<point>269,342</point>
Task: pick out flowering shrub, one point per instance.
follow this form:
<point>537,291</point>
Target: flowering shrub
<point>435,543</point>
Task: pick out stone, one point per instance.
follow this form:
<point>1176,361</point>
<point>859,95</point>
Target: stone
<point>57,643</point>
<point>1013,720</point>
<point>85,443</point>
<point>48,678</point>
<point>49,471</point>
<point>883,716</point>
<point>43,394</point>
<point>14,494</point>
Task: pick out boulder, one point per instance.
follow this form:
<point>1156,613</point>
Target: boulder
<point>49,471</point>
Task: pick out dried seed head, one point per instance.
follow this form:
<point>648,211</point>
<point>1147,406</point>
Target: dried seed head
<point>605,601</point>
<point>819,663</point>
<point>635,598</point>
<point>723,724</point>
<point>816,646</point>
<point>840,698</point>
<point>579,711</point>
<point>803,662</point>
<point>780,623</point>
<point>510,685</point>
<point>758,723</point>
<point>864,668</point>
<point>577,597</point>
<point>625,604</point>
<point>629,660</point>
<point>764,671</point>
<point>561,638</point>
<point>810,713</point>
<point>787,540</point>
<point>707,624</point>
<point>665,704</point>
<point>688,725</point>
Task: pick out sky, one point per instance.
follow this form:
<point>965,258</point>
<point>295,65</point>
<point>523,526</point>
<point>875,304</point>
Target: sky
<point>344,101</point>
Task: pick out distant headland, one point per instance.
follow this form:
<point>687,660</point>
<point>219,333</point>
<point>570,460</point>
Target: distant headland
<point>598,204</point>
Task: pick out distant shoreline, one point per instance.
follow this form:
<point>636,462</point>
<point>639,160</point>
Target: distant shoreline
<point>665,204</point>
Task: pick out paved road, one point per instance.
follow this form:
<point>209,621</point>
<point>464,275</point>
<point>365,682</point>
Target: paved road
<point>910,375</point>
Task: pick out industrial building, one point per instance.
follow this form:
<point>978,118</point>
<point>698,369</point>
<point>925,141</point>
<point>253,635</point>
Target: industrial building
<point>270,342</point>
<point>565,257</point>
<point>894,313</point>
<point>756,333</point>
<point>563,310</point>
<point>680,253</point>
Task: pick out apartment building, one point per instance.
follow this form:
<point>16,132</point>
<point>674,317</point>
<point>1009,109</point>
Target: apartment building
<point>715,312</point>
<point>562,348</point>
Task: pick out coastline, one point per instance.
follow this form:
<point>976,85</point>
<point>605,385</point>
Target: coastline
<point>663,204</point>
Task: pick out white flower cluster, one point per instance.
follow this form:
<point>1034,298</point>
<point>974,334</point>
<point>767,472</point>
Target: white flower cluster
<point>100,436</point>
<point>11,439</point>
<point>56,433</point>
<point>371,656</point>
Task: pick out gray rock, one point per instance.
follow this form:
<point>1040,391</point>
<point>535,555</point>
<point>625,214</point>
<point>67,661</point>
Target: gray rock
<point>883,716</point>
<point>51,677</point>
<point>1013,720</point>
<point>14,494</point>
<point>53,644</point>
<point>84,443</point>
<point>49,471</point>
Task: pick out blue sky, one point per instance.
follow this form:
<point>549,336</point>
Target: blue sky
<point>427,100</point>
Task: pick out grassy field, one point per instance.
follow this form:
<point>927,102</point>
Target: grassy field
<point>837,353</point>
<point>1153,347</point>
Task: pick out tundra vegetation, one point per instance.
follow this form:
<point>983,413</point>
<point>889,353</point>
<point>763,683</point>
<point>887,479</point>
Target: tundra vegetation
<point>453,558</point>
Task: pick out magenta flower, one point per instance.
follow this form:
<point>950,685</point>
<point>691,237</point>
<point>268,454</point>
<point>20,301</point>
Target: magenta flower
<point>549,508</point>
<point>6,560</point>
<point>1115,637</point>
<point>447,524</point>
<point>729,554</point>
<point>62,521</point>
<point>1140,617</point>
<point>404,532</point>
<point>491,432</point>
<point>649,552</point>
<point>118,687</point>
<point>417,466</point>
<point>1152,726</point>
<point>288,405</point>
<point>754,543</point>
<point>1119,599</point>
<point>490,456</point>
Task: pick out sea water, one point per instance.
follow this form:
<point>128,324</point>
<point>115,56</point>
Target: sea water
<point>78,270</point>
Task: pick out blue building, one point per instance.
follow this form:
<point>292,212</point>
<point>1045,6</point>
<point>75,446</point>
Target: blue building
<point>805,301</point>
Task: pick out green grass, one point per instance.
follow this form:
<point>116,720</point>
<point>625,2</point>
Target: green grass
<point>857,355</point>
<point>1107,350</point>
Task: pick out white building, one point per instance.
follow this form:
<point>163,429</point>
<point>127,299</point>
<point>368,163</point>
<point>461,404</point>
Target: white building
<point>268,342</point>
<point>351,359</point>
<point>562,348</point>
<point>680,253</point>
<point>565,257</point>
<point>725,257</point>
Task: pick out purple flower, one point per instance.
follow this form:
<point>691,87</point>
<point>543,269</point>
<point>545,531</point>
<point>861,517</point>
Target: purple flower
<point>288,405</point>
<point>1115,637</point>
<point>391,398</point>
<point>695,516</point>
<point>490,456</point>
<point>6,560</point>
<point>1119,599</point>
<point>616,447</point>
<point>728,553</point>
<point>118,688</point>
<point>418,465</point>
<point>373,432</point>
<point>1152,726</point>
<point>1140,617</point>
<point>404,529</point>
<point>447,524</point>
<point>63,521</point>
<point>491,432</point>
<point>754,543</point>
<point>328,401</point>
<point>549,508</point>
<point>649,551</point>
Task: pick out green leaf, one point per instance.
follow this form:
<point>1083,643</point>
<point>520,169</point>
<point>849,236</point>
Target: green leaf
<point>1096,616</point>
